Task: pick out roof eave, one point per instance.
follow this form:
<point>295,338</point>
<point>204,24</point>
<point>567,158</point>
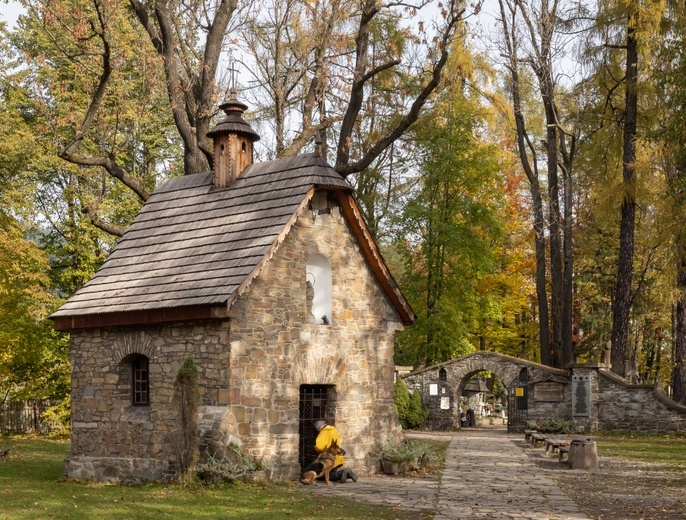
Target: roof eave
<point>373,256</point>
<point>67,323</point>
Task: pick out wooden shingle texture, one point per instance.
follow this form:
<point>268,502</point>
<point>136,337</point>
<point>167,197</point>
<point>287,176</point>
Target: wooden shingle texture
<point>192,244</point>
<point>193,248</point>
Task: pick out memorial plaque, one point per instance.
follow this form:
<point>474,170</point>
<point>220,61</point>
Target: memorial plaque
<point>581,396</point>
<point>549,392</point>
<point>433,389</point>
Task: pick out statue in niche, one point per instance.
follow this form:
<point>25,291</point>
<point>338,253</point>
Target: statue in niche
<point>309,296</point>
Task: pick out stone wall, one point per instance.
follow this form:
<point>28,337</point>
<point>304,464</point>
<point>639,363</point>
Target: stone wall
<point>109,434</point>
<point>613,404</point>
<point>458,373</point>
<point>250,368</point>
<point>274,349</point>
<point>636,408</point>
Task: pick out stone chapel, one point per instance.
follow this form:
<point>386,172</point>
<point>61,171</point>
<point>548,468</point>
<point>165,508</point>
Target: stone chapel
<point>267,275</point>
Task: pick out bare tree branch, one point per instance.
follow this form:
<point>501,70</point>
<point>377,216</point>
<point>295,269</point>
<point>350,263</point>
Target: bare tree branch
<point>362,76</point>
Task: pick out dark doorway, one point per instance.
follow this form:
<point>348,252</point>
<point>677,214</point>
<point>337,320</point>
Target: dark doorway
<point>518,403</point>
<point>317,402</point>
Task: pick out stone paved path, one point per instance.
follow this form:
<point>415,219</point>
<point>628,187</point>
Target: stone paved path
<point>487,476</point>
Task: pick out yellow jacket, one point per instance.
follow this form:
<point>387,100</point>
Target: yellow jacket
<point>326,437</point>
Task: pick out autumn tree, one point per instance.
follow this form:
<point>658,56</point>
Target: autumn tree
<point>621,302</point>
<point>445,231</point>
<point>33,358</point>
<point>357,74</point>
<point>532,43</point>
<point>623,35</point>
<point>671,76</point>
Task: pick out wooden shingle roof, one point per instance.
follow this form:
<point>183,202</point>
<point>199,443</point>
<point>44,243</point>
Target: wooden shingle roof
<point>193,248</point>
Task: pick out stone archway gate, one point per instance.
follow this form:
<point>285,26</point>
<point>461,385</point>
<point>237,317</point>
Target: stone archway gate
<point>547,390</point>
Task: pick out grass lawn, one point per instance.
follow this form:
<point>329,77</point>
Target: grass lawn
<point>32,487</point>
<point>669,450</point>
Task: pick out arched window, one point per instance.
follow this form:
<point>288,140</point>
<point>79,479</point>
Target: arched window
<point>442,375</point>
<point>140,388</point>
<point>319,291</point>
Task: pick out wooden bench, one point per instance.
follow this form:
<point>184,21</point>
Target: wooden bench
<point>552,445</point>
<point>562,451</point>
<point>528,434</point>
<point>536,438</point>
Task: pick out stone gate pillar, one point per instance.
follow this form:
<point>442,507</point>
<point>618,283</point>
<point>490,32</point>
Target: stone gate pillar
<point>585,396</point>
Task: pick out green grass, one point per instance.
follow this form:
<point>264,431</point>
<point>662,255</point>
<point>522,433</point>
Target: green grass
<point>669,450</point>
<point>32,487</point>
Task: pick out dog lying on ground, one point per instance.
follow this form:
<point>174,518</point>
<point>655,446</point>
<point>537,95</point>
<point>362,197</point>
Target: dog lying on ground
<point>322,465</point>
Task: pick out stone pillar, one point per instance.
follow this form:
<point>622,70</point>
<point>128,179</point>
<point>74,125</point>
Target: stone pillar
<point>585,396</point>
<point>583,454</point>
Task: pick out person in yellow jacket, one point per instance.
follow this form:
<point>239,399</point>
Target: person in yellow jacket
<point>327,435</point>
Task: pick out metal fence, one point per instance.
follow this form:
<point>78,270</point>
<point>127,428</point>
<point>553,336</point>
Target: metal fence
<point>24,417</point>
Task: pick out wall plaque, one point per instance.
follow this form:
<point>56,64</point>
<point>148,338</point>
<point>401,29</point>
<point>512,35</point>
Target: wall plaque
<point>549,391</point>
<point>433,389</point>
<point>581,396</point>
<point>445,403</point>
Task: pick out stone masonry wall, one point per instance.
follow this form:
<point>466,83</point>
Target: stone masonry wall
<point>615,405</point>
<point>274,350</point>
<point>637,408</point>
<point>249,380</point>
<point>460,371</point>
<point>113,440</point>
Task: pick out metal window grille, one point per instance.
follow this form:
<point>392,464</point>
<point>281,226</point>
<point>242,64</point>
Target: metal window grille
<point>141,383</point>
<point>317,402</point>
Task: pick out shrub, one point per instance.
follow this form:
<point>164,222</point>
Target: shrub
<point>411,411</point>
<point>56,420</point>
<point>235,465</point>
<point>401,399</point>
<point>411,451</point>
<point>416,412</point>
<point>551,425</point>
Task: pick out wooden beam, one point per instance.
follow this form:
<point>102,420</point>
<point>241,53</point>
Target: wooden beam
<point>142,317</point>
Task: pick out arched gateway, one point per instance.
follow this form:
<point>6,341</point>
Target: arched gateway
<point>534,390</point>
<point>589,394</point>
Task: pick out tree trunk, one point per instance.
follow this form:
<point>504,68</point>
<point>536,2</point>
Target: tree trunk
<point>556,296</point>
<point>679,371</point>
<point>524,147</point>
<point>621,304</point>
<point>541,295</point>
<point>567,249</point>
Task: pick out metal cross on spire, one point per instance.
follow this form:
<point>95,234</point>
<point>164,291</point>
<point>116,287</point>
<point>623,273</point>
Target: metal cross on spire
<point>233,73</point>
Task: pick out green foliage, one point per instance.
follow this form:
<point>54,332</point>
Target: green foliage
<point>410,409</point>
<point>187,397</point>
<point>416,412</point>
<point>58,417</point>
<point>498,387</point>
<point>34,360</point>
<point>551,425</point>
<point>408,450</point>
<point>401,399</point>
<point>446,235</point>
<point>234,465</point>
